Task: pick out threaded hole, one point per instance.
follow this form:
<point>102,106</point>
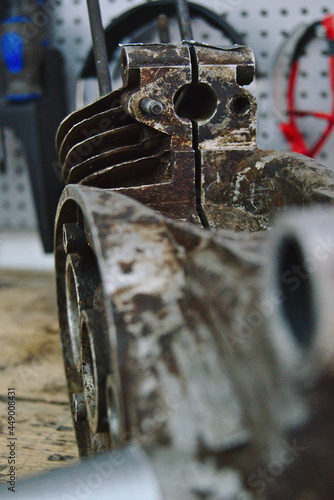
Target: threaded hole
<point>240,105</point>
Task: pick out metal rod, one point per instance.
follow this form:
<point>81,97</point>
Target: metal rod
<point>163,28</point>
<point>99,47</point>
<point>183,17</point>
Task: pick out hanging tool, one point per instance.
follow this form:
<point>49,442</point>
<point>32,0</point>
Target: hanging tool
<point>34,103</point>
<point>22,51</point>
<point>290,128</point>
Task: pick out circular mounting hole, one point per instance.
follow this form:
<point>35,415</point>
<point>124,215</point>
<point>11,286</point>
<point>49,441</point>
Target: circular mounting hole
<point>88,373</point>
<point>195,101</point>
<point>240,105</point>
<point>296,290</point>
<point>73,314</point>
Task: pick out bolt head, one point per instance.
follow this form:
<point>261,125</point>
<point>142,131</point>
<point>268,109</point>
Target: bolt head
<point>151,106</point>
<point>156,108</point>
<point>79,407</point>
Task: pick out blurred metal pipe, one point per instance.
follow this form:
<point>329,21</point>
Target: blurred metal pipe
<point>122,475</point>
<point>301,286</point>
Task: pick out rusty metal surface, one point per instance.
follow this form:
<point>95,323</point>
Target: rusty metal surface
<point>167,330</point>
<point>198,372</point>
<point>229,127</point>
<point>203,168</point>
<point>148,157</point>
<point>243,190</point>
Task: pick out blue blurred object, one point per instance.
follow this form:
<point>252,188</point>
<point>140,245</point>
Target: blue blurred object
<point>12,47</point>
<point>35,122</point>
<point>22,48</point>
<point>33,101</point>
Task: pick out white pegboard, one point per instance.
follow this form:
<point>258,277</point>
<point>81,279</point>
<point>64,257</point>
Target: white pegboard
<point>264,24</point>
<point>16,202</point>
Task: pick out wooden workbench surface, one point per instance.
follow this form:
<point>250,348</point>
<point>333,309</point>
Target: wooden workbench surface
<point>31,362</point>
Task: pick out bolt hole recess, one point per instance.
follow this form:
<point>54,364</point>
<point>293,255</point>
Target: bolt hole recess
<point>73,314</point>
<point>195,101</point>
<point>240,105</point>
<point>88,373</point>
<point>297,306</point>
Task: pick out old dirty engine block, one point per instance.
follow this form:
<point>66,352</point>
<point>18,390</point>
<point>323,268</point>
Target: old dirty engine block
<point>193,324</point>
